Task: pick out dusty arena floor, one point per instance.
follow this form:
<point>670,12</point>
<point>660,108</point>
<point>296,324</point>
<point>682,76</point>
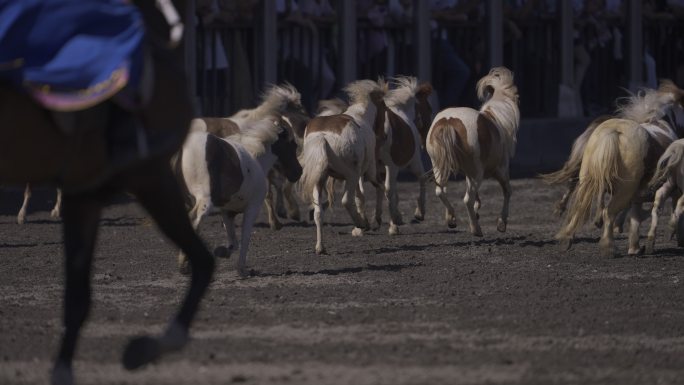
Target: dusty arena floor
<point>431,306</point>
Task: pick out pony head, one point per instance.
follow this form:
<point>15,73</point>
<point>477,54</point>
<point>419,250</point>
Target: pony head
<point>283,97</point>
<point>498,79</point>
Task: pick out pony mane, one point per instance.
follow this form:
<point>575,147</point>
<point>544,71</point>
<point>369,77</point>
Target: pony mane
<point>331,107</point>
<point>500,97</point>
<point>360,90</point>
<point>274,100</point>
<point>646,106</point>
<point>405,89</point>
<point>258,136</point>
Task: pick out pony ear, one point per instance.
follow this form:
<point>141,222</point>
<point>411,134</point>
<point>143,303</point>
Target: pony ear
<point>425,89</point>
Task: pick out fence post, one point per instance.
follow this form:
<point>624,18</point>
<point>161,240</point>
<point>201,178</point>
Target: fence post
<point>635,44</point>
<point>495,32</point>
<point>347,35</point>
<point>421,37</point>
<point>568,101</point>
<point>269,42</point>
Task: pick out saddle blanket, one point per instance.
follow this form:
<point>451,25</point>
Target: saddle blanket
<point>70,54</point>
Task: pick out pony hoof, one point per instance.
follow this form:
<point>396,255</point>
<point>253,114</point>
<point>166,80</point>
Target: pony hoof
<point>223,252</point>
<point>636,252</point>
<point>141,351</point>
<point>419,217</point>
<point>565,244</point>
<point>357,232</point>
<point>501,226</point>
<point>393,229</point>
<point>451,223</point>
<point>62,375</point>
<point>376,225</point>
<point>55,214</point>
<point>243,272</point>
<point>21,219</point>
<point>276,226</point>
<point>477,232</point>
<point>321,251</point>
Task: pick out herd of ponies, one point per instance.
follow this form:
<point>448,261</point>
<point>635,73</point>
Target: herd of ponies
<point>276,155</point>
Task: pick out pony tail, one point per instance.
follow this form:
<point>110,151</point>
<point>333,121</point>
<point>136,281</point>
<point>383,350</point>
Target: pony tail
<point>314,161</point>
<point>599,168</point>
<point>444,153</point>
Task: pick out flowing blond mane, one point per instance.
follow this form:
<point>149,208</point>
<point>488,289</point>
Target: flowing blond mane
<point>360,90</point>
<point>257,136</point>
<point>274,100</point>
<point>500,97</point>
<point>403,93</point>
<point>646,106</point>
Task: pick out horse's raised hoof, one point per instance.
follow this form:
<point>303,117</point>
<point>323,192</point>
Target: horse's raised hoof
<point>501,225</point>
<point>62,375</point>
<point>357,232</point>
<point>141,351</point>
<point>393,229</point>
<point>223,252</point>
<point>451,223</point>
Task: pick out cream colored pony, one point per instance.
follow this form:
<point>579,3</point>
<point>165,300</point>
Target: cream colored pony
<point>668,180</point>
<point>342,146</point>
<point>477,143</point>
<point>402,146</point>
<point>619,159</point>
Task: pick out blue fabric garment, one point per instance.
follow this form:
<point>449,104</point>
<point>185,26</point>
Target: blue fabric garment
<point>70,53</point>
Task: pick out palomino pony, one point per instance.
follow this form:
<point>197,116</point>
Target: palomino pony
<point>343,146</point>
<point>21,217</point>
<point>401,147</point>
<point>230,174</point>
<point>478,143</point>
<point>668,180</point>
<point>88,155</point>
<point>619,159</point>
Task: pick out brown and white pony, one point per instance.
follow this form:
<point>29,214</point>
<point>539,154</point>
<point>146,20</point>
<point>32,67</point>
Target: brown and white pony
<point>71,150</point>
<point>668,180</point>
<point>21,216</point>
<point>342,146</point>
<point>402,144</point>
<point>229,174</point>
<point>478,143</point>
<point>619,159</point>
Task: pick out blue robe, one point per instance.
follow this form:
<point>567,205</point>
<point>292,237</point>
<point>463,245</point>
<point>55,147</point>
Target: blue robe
<point>70,54</point>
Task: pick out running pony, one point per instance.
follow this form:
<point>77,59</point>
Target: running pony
<point>619,159</point>
<point>343,146</point>
<point>668,180</point>
<point>230,174</point>
<point>94,147</point>
<point>478,143</point>
<point>21,216</point>
<point>402,144</point>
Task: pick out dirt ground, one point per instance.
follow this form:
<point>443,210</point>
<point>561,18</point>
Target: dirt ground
<point>430,306</point>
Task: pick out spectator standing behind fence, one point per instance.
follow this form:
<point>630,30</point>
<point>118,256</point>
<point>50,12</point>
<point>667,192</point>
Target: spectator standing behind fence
<point>450,72</point>
<point>211,77</point>
<point>317,12</point>
<point>373,16</point>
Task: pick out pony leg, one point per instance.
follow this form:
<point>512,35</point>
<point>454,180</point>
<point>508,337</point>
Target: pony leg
<point>600,205</point>
<point>291,204</point>
<point>472,186</point>
<point>229,225</point>
<point>679,209</point>
<point>81,217</point>
<point>606,243</point>
<point>248,219</point>
<point>21,216</point>
<point>162,199</point>
<point>55,213</point>
<point>202,206</point>
<point>634,223</point>
<point>273,221</point>
<point>562,204</point>
<point>504,181</point>
<point>360,201</point>
<point>417,169</point>
<point>392,194</point>
<point>450,213</point>
<point>316,200</point>
<point>661,194</point>
<point>350,186</point>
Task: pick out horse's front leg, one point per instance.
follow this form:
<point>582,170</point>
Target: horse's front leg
<point>562,204</point>
<point>360,201</point>
<point>450,212</point>
<point>393,199</point>
<point>316,201</point>
<point>229,226</point>
<point>199,210</point>
<point>661,194</point>
<point>157,191</point>
<point>21,216</point>
<point>273,221</point>
<point>81,217</point>
<point>350,188</point>
<point>55,213</point>
<point>248,219</point>
<point>472,186</point>
<point>291,204</point>
<point>417,169</point>
<point>634,223</point>
<point>501,176</point>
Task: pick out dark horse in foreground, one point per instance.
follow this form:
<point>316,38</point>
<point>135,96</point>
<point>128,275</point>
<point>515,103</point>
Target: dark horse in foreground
<point>103,149</point>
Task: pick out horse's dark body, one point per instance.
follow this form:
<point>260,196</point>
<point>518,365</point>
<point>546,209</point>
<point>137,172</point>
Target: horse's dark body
<point>86,154</point>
